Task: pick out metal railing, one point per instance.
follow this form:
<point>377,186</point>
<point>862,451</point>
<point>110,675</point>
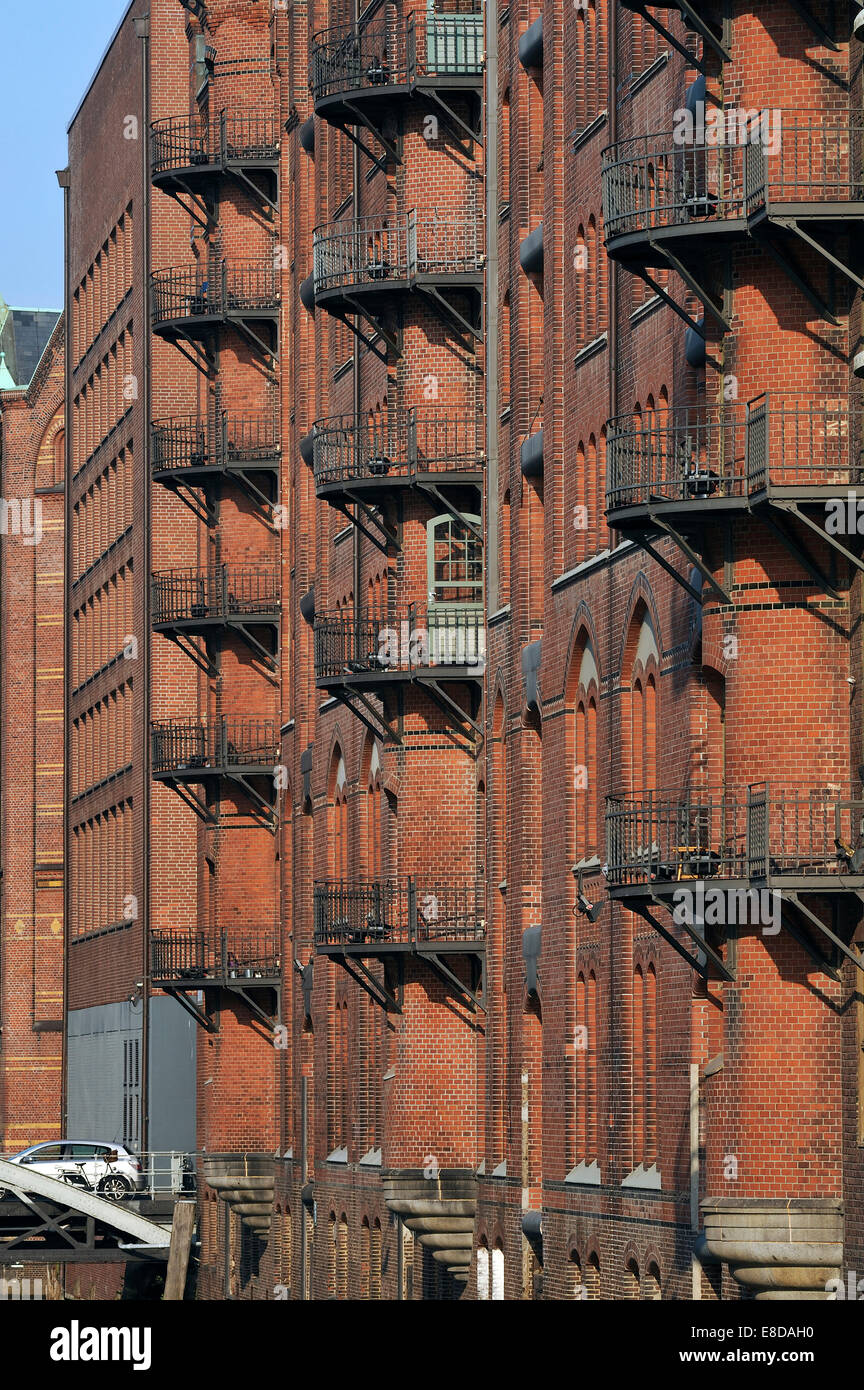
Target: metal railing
<point>705,453</point>
<point>796,443</point>
<point>412,640</point>
<point>183,595</point>
<point>402,443</point>
<point>678,455</point>
<point>398,912</point>
<point>354,58</point>
<point>764,830</point>
<point>189,745</point>
<point>659,180</point>
<point>231,954</point>
<point>164,1172</point>
<point>216,443</point>
<point>242,137</point>
<point>366,250</point>
<point>186,292</point>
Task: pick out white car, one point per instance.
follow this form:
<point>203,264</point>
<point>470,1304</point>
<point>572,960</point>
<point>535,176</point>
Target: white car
<point>107,1169</point>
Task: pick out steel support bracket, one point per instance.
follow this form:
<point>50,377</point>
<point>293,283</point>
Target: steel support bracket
<point>468,996</point>
<point>200,1015</point>
<point>795,550</point>
<point>856,959</point>
<point>789,268</point>
<point>449,314</point>
<point>456,714</point>
<point>701,293</point>
<point>375,988</point>
<point>793,225</point>
<point>813,24</point>
<point>367,713</point>
<point>434,492</point>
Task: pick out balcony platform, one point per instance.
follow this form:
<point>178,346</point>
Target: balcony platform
<point>684,473</point>
<point>802,848</point>
<point>363,266</point>
<point>191,455</point>
<point>360,73</point>
<point>418,449</point>
<point>679,200</point>
<point>243,753</point>
<point>189,156</point>
<point>188,603</point>
<point>192,311</point>
<point>392,920</point>
<point>239,962</point>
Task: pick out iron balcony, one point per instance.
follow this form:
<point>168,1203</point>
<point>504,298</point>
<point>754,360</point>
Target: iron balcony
<point>188,150</point>
<point>186,304</point>
<point>688,465</point>
<point>367,67</point>
<point>437,644</point>
<point>244,602</point>
<point>189,453</point>
<point>377,256</point>
<point>398,915</point>
<point>242,962</point>
<point>662,191</point>
<point>806,839</point>
<point>199,960</point>
<point>354,456</point>
<point>195,750</point>
<point>195,598</point>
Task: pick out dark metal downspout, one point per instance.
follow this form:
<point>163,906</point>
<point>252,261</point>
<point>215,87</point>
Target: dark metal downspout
<point>490,306</point>
<point>64,180</point>
<point>142,29</point>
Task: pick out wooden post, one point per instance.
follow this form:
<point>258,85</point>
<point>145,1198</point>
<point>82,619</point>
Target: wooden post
<point>182,1228</point>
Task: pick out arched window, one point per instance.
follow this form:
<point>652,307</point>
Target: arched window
<point>376,1267</point>
<point>641,728</point>
<point>497,1283</point>
<point>585,770</point>
<point>651,1292</point>
<point>365,1254</point>
<point>644,1065</point>
<point>593,500</point>
<point>340,1055</point>
<point>577,1278</point>
<point>504,552</point>
<point>59,457</point>
<point>342,1258</point>
<point>338,818</point>
<point>581,268</point>
<point>454,562</point>
<point>482,1273</point>
<point>631,1279</point>
<point>374,821</point>
<point>587,1046</point>
<point>592,1276</point>
<point>331,1253</point>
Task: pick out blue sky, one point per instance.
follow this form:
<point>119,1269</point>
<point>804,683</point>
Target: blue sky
<point>50,50</point>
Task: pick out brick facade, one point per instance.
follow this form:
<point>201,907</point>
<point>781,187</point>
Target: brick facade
<point>31,594</point>
<point>448,587</point>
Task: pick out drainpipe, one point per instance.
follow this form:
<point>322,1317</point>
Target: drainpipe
<point>355,176</point>
<point>696,1270</point>
<point>142,30</point>
<point>304,1156</point>
<point>490,306</point>
<point>612,103</point>
<point>64,180</point>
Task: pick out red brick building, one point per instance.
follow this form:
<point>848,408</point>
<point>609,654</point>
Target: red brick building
<point>451,594</point>
<point>31,740</point>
